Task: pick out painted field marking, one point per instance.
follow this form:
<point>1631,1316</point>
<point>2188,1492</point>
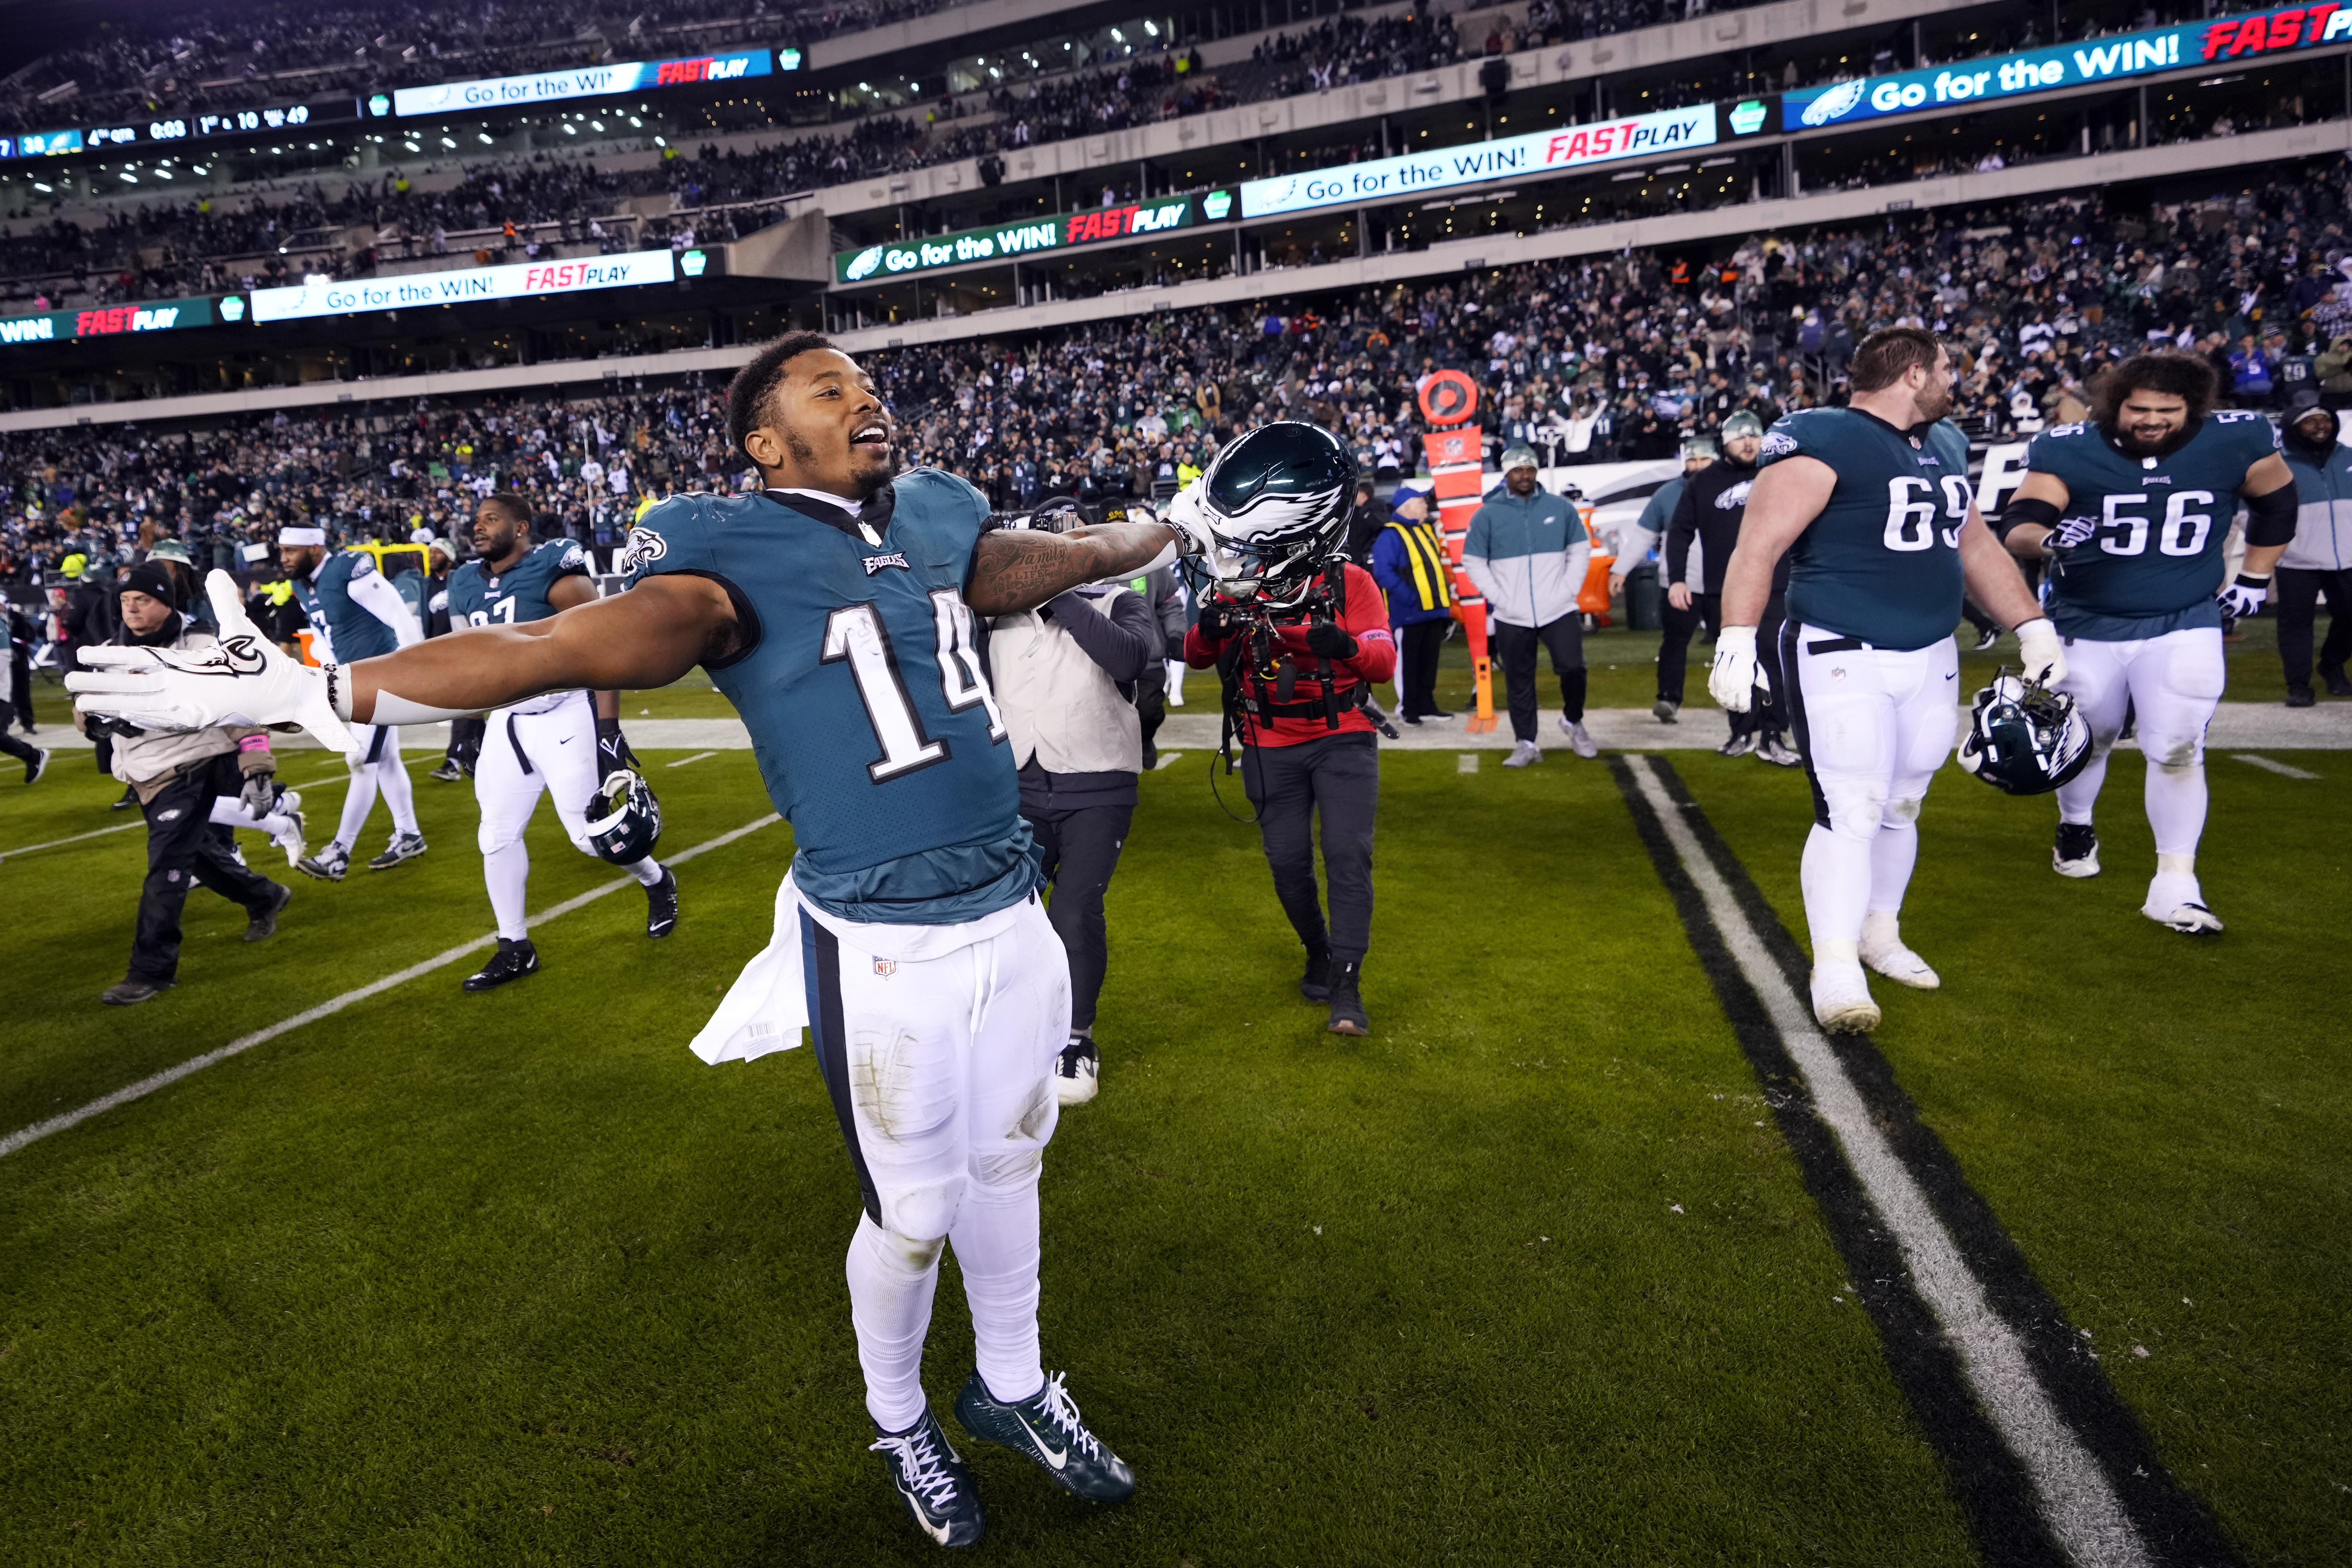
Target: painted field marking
<point>95,833</point>
<point>696,758</point>
<point>171,1075</point>
<point>2064,1481</point>
<point>1167,760</point>
<point>1466,763</point>
<point>2267,765</point>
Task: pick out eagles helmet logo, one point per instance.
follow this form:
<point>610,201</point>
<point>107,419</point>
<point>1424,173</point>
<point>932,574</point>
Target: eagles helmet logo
<point>2023,738</point>
<point>1778,443</point>
<point>644,547</point>
<point>1278,502</point>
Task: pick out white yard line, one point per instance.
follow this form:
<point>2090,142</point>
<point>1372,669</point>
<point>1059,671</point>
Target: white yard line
<point>1168,760</point>
<point>2080,1506</point>
<point>95,833</point>
<point>696,758</point>
<point>2281,769</point>
<point>171,1075</point>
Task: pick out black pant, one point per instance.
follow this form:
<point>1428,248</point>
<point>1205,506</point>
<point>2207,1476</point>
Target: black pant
<point>1079,850</point>
<point>2298,612</point>
<point>1769,713</point>
<point>1515,648</point>
<point>466,741</point>
<point>1417,650</point>
<point>179,852</point>
<point>11,746</point>
<point>1338,777</point>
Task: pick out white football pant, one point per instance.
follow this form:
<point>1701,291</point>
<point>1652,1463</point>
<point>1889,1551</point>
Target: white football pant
<point>940,1070</point>
<point>547,743</point>
<point>1875,724</point>
<point>375,763</point>
<point>2170,684</point>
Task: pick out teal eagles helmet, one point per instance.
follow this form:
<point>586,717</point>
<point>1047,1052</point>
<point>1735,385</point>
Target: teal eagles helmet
<point>2023,738</point>
<point>625,819</point>
<point>1277,501</point>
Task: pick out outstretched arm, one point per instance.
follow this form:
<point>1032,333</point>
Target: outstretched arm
<point>649,636</point>
<point>1016,569</point>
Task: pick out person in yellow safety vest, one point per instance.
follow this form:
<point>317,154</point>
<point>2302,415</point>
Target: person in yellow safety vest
<point>1408,563</point>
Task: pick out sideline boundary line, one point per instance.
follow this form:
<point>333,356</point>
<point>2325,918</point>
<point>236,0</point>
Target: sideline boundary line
<point>98,833</point>
<point>2047,1462</point>
<point>19,1139</point>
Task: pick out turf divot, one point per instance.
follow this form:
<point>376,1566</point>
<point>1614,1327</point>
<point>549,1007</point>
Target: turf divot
<point>2043,1456</point>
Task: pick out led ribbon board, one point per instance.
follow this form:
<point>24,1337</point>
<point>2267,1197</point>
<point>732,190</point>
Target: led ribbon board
<point>588,81</point>
<point>1509,157</point>
<point>178,128</point>
<point>2071,64</point>
<point>1010,241</point>
<point>410,291</point>
<point>112,321</point>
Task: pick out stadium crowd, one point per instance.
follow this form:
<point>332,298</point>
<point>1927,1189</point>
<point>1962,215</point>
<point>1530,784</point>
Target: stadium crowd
<point>1587,359</point>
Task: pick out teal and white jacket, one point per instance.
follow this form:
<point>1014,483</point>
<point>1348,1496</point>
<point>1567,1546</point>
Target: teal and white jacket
<point>1527,557</point>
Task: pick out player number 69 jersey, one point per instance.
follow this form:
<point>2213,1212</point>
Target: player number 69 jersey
<point>1881,562</point>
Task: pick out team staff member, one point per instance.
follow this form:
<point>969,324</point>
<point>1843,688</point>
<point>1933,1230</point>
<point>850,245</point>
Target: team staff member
<point>1065,676</point>
<point>1633,547</point>
<point>1295,768</point>
<point>1527,552</point>
<point>2320,559</point>
<point>1874,501</point>
<point>176,775</point>
<point>354,613</point>
<point>1408,563</point>
<point>550,743</point>
<point>1711,511</point>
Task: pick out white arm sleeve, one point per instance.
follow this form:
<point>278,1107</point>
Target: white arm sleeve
<point>379,598</point>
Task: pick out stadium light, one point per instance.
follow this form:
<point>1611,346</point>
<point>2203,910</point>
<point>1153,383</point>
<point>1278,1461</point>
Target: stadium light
<point>486,138</point>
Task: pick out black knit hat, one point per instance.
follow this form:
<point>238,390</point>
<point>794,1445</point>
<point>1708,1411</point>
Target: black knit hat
<point>150,578</point>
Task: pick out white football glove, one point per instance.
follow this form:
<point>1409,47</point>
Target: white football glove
<point>2044,656</point>
<point>1736,675</point>
<point>243,679</point>
<point>2245,598</point>
<point>1188,514</point>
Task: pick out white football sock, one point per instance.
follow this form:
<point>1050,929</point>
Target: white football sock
<point>1836,876</point>
<point>2078,794</point>
<point>1175,683</point>
<point>647,871</point>
<point>996,1245</point>
<point>891,1282</point>
<point>358,801</point>
<point>507,870</point>
<point>229,811</point>
<point>1893,851</point>
<point>2175,800</point>
<point>398,793</point>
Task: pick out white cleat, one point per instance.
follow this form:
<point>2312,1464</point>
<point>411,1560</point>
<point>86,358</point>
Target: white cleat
<point>1580,739</point>
<point>289,806</point>
<point>1841,999</point>
<point>1078,1071</point>
<point>1882,950</point>
<point>2076,852</point>
<point>2176,903</point>
<point>1524,753</point>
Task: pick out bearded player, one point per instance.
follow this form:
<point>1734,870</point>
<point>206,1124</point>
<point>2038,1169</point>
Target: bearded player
<point>1872,504</point>
<point>563,743</point>
<point>835,609</point>
<point>2132,511</point>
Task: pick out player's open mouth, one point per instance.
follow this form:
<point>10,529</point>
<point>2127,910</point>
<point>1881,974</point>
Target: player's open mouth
<point>869,435</point>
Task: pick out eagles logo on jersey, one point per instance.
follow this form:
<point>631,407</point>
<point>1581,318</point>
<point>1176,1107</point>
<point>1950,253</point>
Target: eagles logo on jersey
<point>478,598</point>
<point>644,547</point>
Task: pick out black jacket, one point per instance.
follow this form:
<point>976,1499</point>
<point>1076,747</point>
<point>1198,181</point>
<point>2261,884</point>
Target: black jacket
<point>1714,504</point>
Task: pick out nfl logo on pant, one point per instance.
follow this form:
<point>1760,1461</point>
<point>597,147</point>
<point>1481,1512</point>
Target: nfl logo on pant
<point>885,967</point>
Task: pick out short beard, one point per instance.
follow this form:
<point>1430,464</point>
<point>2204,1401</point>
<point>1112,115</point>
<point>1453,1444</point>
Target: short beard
<point>1931,411</point>
<point>2130,446</point>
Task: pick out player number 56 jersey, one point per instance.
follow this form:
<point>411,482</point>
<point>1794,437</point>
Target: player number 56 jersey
<point>1881,562</point>
<point>2161,525</point>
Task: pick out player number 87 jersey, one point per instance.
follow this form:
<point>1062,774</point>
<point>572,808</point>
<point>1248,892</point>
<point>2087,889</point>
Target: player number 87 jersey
<point>1881,560</point>
<point>518,593</point>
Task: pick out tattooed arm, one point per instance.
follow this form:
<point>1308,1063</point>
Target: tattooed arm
<point>1014,569</point>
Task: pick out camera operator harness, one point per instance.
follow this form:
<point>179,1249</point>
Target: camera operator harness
<point>1260,685</point>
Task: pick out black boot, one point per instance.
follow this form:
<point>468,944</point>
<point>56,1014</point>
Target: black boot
<point>2337,685</point>
<point>1316,984</point>
<point>1347,1001</point>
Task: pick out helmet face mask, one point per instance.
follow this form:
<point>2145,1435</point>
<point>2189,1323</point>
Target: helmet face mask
<point>1277,501</point>
<point>2023,738</point>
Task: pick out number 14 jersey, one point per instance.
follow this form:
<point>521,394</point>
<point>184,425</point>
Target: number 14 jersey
<point>862,686</point>
<point>2155,559</point>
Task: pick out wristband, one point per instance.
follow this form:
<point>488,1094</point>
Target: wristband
<point>254,743</point>
<point>2253,580</point>
<point>338,697</point>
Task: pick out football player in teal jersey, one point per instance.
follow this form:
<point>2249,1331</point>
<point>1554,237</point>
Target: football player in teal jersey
<point>1872,504</point>
<point>564,742</point>
<point>2132,511</point>
<point>835,609</point>
<point>354,613</point>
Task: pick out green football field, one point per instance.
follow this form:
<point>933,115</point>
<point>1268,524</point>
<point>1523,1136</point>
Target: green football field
<point>1530,1275</point>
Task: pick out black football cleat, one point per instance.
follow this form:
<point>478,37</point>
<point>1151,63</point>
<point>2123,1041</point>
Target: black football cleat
<point>930,1476</point>
<point>1348,1015</point>
<point>661,905</point>
<point>1044,1429</point>
<point>403,846</point>
<point>1316,984</point>
<point>514,960</point>
<point>132,992</point>
<point>262,924</point>
<point>36,764</point>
